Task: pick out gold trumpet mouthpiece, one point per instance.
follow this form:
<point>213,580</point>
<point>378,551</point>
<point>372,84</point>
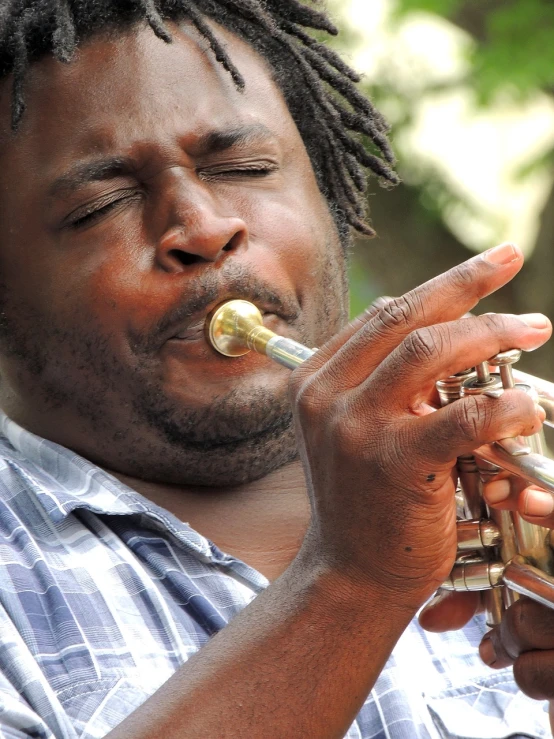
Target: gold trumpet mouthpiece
<point>236,327</point>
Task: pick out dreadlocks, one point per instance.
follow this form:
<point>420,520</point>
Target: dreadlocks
<point>333,117</point>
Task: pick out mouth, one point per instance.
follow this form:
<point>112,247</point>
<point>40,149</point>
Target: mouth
<point>192,333</point>
<point>196,331</point>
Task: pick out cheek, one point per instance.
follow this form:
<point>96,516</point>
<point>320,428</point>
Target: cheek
<point>296,225</point>
<point>317,267</point>
<point>117,299</point>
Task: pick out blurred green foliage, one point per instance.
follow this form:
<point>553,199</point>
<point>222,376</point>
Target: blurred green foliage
<point>509,54</point>
<point>444,7</point>
<point>363,289</point>
<point>513,51</point>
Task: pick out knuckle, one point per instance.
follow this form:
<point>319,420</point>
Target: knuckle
<point>527,625</point>
<point>518,408</point>
<point>348,437</point>
<point>471,417</point>
<point>396,313</point>
<point>306,396</point>
<point>379,304</point>
<point>465,274</point>
<point>348,430</point>
<point>423,345</point>
<point>494,322</point>
<point>521,401</point>
<point>330,414</point>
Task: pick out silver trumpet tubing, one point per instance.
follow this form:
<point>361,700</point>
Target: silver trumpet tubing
<point>498,552</point>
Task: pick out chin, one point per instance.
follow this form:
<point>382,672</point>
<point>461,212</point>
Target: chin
<point>215,465</point>
<point>233,438</point>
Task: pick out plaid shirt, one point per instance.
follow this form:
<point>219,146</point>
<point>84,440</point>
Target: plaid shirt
<point>103,595</point>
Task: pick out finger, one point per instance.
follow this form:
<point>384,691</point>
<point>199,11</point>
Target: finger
<point>463,426</point>
<point>526,626</point>
<point>324,353</point>
<point>515,494</point>
<point>536,506</point>
<point>378,304</point>
<point>432,352</point>
<point>449,611</point>
<point>502,492</point>
<point>444,298</point>
<point>493,653</point>
<point>534,673</point>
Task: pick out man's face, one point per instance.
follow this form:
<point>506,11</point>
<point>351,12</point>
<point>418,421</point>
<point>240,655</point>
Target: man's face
<point>141,190</point>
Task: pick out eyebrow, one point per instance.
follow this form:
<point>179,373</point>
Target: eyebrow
<point>112,167</point>
<point>94,171</point>
<point>217,141</point>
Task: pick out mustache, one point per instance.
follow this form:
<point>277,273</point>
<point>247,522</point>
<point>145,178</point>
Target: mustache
<point>209,290</point>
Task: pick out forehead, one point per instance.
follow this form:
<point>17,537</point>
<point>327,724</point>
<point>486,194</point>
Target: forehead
<point>132,87</point>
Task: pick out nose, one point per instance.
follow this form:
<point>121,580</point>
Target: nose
<point>198,230</point>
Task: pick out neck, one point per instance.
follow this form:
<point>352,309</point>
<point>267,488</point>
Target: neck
<point>262,523</point>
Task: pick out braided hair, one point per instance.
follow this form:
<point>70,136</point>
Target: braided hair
<point>333,117</point>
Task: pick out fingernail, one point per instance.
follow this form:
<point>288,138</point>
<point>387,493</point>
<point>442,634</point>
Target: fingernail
<point>486,651</point>
<point>497,491</point>
<point>538,503</point>
<point>541,413</point>
<point>503,254</point>
<point>535,320</point>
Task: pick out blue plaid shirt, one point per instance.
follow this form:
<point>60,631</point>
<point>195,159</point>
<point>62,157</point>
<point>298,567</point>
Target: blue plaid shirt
<point>103,595</point>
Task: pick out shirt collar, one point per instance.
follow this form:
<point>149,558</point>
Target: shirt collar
<point>63,481</point>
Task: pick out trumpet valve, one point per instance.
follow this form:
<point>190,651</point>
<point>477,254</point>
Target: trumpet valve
<point>504,362</point>
<point>474,574</point>
<point>477,534</point>
<point>483,383</point>
<point>450,388</point>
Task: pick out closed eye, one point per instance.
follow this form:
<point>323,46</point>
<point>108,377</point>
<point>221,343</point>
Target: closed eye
<point>92,212</point>
<point>236,172</point>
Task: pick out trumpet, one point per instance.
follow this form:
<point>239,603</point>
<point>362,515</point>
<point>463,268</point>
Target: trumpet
<point>498,551</point>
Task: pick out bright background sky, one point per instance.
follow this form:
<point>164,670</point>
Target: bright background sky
<point>481,151</point>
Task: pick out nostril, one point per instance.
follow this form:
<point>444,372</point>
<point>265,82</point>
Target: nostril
<point>185,257</point>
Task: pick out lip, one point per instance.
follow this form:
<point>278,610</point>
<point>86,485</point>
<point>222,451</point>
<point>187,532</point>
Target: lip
<point>195,327</point>
<point>196,353</point>
<point>197,331</point>
<point>193,345</point>
<point>192,333</point>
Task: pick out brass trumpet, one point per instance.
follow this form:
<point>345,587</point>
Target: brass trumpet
<point>498,551</point>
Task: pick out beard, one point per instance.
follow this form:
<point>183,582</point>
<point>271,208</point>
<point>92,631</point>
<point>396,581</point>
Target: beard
<point>239,438</point>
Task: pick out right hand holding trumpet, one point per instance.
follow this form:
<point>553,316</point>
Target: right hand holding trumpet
<point>379,457</point>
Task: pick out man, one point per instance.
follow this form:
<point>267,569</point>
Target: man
<point>144,182</point>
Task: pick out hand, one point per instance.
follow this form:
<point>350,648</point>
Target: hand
<point>525,639</point>
<point>378,459</point>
